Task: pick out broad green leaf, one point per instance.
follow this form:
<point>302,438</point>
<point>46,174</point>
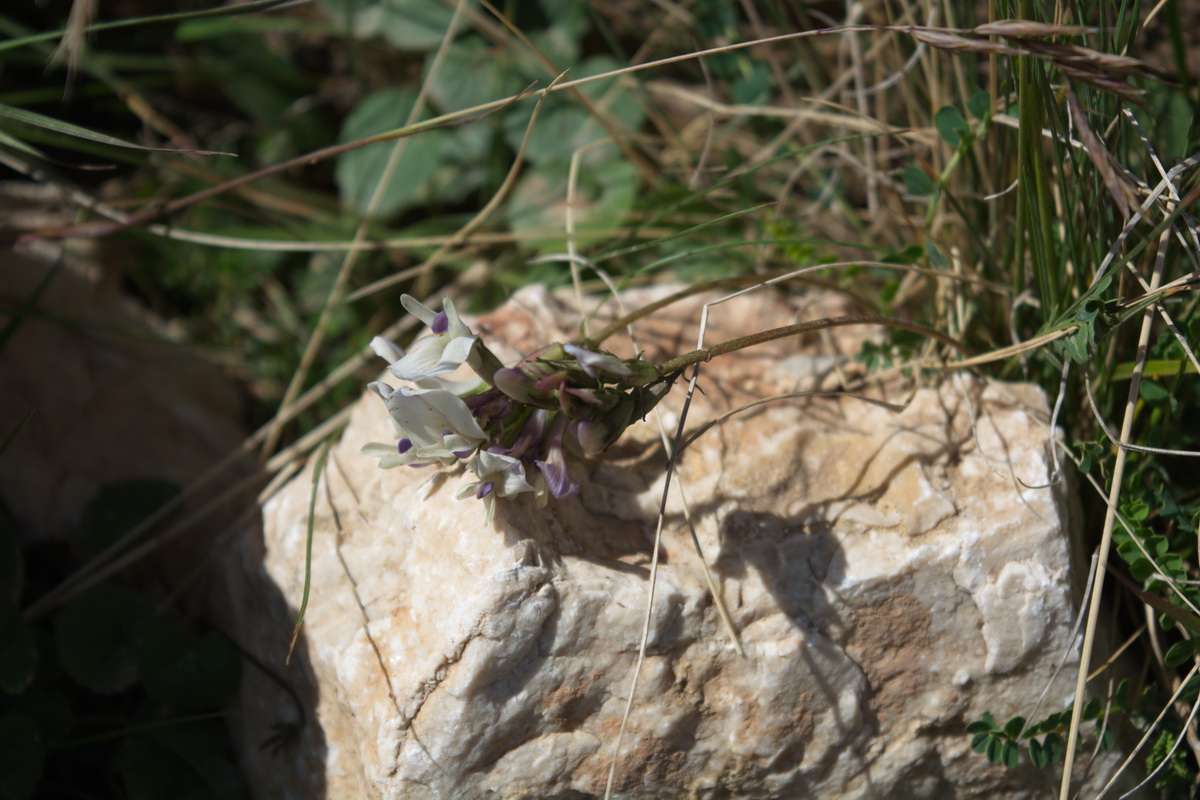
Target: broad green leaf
<point>951,126</point>
<point>413,181</point>
<point>417,25</point>
<point>1180,653</point>
<point>117,508</point>
<point>564,125</point>
<point>979,103</point>
<point>1012,728</point>
<point>916,181</point>
<point>95,635</point>
<point>67,129</point>
<point>603,198</point>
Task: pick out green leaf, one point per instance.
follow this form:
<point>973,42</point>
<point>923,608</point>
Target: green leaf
<point>119,507</point>
<point>1010,754</point>
<point>995,750</point>
<point>18,650</point>
<point>408,24</point>
<point>1037,754</point>
<point>979,103</point>
<point>1052,747</point>
<point>22,752</point>
<point>565,126</point>
<point>95,634</point>
<point>951,126</point>
<point>978,726</point>
<point>979,742</point>
<point>1012,728</point>
<point>1180,653</point>
<point>185,672</point>
<point>1137,511</point>
<point>1140,567</point>
<point>916,181</point>
<point>603,199</point>
<point>1092,709</point>
<point>413,180</point>
<point>24,117</point>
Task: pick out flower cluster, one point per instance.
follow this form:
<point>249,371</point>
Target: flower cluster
<point>514,427</point>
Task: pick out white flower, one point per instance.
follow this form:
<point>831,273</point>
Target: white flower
<point>499,476</point>
<point>436,422</point>
<point>451,345</point>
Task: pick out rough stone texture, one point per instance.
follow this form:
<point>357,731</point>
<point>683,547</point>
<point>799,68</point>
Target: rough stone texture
<point>891,575</point>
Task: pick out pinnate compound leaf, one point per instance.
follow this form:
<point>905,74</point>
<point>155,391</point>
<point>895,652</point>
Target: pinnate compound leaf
<point>1012,728</point>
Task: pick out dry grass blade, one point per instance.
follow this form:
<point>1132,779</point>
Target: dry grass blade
<point>1101,159</point>
<point>1106,534</point>
<point>1009,28</point>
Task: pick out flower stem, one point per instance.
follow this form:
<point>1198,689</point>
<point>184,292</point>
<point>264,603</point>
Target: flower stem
<point>708,353</point>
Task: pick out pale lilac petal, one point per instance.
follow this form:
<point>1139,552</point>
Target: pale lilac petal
<point>595,363</point>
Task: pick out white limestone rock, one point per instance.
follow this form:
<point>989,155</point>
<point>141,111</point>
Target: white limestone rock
<point>891,575</point>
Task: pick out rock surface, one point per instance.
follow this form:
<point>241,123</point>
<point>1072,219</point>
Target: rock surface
<point>891,575</point>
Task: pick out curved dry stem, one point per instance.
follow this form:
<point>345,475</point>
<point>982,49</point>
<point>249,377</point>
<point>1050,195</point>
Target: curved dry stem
<point>1114,495</point>
<point>742,342</point>
<point>751,282</point>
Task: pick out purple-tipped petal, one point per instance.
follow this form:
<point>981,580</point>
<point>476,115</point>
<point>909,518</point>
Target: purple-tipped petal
<point>440,324</point>
<point>554,467</point>
<point>557,480</point>
<point>404,445</point>
<point>485,488</point>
